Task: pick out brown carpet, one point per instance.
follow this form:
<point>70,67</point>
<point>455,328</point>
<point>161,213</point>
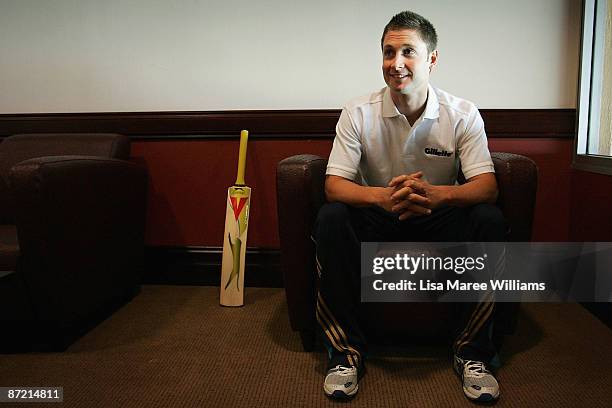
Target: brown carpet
<point>173,346</point>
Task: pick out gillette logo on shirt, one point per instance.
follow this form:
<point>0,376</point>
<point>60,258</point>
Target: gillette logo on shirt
<point>435,152</point>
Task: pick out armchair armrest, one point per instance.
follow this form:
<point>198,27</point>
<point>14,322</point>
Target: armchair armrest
<point>517,179</point>
<point>300,187</point>
<point>80,223</point>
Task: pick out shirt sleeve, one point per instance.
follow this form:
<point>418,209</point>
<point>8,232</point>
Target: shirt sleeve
<point>473,148</point>
<point>346,152</point>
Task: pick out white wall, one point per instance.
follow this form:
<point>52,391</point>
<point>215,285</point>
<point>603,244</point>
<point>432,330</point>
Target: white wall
<point>152,55</point>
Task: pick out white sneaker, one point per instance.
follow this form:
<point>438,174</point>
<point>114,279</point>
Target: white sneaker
<point>341,382</point>
<point>478,382</point>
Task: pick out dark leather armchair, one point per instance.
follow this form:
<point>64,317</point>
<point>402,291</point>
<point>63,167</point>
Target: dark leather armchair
<point>300,188</point>
<point>72,214</point>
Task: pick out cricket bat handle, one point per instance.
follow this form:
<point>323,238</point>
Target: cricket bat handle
<point>244,137</point>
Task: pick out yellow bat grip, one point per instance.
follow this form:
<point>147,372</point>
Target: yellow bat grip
<point>244,137</point>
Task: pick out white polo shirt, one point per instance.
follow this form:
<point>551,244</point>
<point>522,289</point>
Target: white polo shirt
<point>374,141</point>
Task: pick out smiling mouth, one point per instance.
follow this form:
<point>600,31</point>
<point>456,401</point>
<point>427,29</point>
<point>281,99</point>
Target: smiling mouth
<point>403,76</point>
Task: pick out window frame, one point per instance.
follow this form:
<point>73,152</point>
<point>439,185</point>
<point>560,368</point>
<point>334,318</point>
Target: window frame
<point>590,72</point>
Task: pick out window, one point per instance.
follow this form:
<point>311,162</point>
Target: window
<point>594,141</point>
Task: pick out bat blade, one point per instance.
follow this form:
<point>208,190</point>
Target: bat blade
<point>234,246</point>
<point>235,235</point>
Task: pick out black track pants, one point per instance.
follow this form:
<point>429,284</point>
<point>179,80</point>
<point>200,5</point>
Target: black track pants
<point>338,233</point>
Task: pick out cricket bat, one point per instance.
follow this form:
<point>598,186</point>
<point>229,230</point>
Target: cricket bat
<point>235,235</point>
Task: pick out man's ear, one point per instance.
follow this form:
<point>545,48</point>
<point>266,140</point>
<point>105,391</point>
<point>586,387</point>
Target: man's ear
<point>433,59</point>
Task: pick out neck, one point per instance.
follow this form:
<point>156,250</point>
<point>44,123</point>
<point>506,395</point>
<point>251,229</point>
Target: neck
<point>410,105</point>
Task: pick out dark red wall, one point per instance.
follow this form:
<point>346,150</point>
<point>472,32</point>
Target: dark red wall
<point>189,180</point>
<point>591,207</point>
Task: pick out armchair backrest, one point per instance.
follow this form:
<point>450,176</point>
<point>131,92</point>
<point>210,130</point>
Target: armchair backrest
<point>17,148</point>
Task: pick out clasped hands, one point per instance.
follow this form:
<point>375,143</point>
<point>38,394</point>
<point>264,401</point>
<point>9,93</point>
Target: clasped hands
<point>409,195</point>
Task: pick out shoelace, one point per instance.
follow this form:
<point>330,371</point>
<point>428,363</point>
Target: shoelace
<point>341,370</point>
<point>476,368</point>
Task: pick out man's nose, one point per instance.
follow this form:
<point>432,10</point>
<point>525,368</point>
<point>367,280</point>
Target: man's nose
<point>398,64</point>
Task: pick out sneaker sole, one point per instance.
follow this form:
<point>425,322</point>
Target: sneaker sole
<point>484,397</point>
<point>339,394</point>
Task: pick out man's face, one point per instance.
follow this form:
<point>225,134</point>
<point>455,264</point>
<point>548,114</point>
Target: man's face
<point>406,62</point>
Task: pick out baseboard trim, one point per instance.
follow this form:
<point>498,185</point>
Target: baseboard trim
<point>200,265</point>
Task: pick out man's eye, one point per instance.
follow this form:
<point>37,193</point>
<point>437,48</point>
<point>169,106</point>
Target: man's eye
<point>388,53</point>
<point>409,51</point>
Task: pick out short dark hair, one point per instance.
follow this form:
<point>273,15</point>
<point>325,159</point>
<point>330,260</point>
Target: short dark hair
<point>407,20</point>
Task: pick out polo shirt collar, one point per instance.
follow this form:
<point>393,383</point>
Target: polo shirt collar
<point>432,107</point>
